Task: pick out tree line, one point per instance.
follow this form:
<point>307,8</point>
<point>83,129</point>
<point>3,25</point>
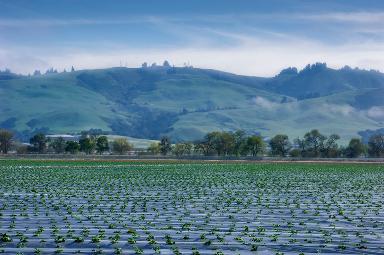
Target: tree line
<point>88,143</point>
<point>312,145</point>
<point>218,143</point>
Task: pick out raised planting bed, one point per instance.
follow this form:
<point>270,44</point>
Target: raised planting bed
<point>71,207</point>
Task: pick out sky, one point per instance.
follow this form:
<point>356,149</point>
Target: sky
<point>250,37</point>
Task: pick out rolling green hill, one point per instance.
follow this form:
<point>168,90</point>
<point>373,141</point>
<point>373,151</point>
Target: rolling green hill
<point>185,103</point>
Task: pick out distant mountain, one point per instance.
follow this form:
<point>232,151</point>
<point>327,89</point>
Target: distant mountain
<point>318,80</point>
<point>185,102</point>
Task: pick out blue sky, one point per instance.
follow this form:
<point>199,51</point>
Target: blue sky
<point>243,36</point>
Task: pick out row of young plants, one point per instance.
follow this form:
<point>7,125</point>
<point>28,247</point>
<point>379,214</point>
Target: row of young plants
<point>190,208</point>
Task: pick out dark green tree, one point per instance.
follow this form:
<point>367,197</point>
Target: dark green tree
<point>5,140</point>
<point>227,142</point>
<point>240,143</point>
<point>355,148</point>
<point>72,147</point>
<point>280,145</point>
<point>87,145</point>
<point>204,148</point>
<point>295,153</point>
<point>255,145</point>
<point>39,143</point>
<point>102,144</point>
<point>330,148</point>
<point>212,143</point>
<point>58,145</point>
<point>376,145</point>
<point>165,145</point>
<point>223,143</point>
<point>313,143</point>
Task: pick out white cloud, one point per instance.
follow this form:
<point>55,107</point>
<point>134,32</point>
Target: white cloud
<point>265,103</point>
<point>254,57</point>
<point>250,52</point>
<point>376,113</point>
<point>355,17</point>
<point>335,109</point>
<point>342,109</point>
<point>16,23</point>
<point>375,17</point>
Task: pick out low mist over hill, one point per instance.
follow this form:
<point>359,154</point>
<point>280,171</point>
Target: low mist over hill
<point>186,103</point>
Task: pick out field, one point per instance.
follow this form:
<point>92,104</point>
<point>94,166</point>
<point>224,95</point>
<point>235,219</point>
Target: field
<point>79,207</point>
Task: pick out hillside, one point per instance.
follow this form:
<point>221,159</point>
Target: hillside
<point>185,103</point>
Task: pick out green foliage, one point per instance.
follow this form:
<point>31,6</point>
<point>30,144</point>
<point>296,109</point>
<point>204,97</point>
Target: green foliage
<point>240,146</point>
<point>318,80</point>
<point>223,144</point>
<point>280,145</point>
<point>181,149</point>
<point>165,145</point>
<point>154,148</point>
<point>5,140</point>
<point>5,238</point>
<point>295,153</point>
<point>102,144</point>
<point>72,147</point>
<point>211,207</point>
<point>314,144</point>
<point>355,148</point>
<point>58,145</point>
<point>255,145</point>
<point>87,145</point>
<point>376,145</point>
<point>330,148</point>
<point>121,146</point>
<point>39,143</point>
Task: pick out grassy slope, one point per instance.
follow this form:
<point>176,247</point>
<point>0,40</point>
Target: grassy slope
<point>269,122</point>
<point>196,93</point>
<point>55,102</point>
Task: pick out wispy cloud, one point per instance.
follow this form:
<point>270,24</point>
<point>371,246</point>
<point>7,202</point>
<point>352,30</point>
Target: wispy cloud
<point>341,109</point>
<point>264,58</point>
<point>265,103</point>
<point>249,44</point>
<point>73,22</point>
<point>376,18</point>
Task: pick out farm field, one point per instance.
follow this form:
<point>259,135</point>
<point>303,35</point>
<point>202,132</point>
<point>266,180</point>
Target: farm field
<point>96,207</point>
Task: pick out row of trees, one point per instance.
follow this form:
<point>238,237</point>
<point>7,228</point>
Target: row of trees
<point>50,71</point>
<point>88,144</point>
<point>312,144</point>
<point>214,143</point>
